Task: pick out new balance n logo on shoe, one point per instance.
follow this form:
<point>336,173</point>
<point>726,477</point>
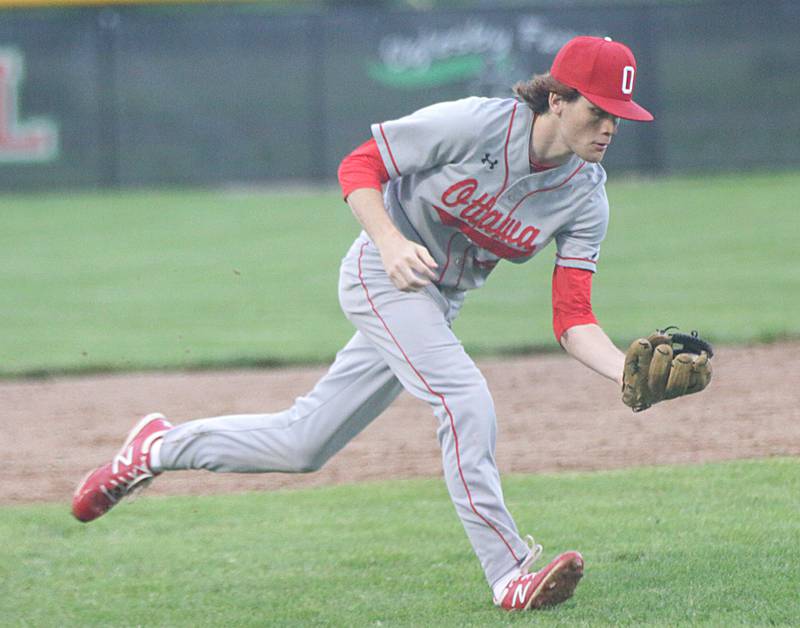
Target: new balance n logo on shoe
<point>549,586</point>
<point>123,458</point>
<point>521,594</point>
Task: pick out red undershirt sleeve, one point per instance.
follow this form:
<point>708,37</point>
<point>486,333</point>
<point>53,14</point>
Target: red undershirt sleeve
<point>363,168</point>
<point>572,299</point>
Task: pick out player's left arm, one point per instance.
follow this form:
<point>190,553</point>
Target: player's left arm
<point>575,325</point>
<point>590,345</point>
<point>578,249</point>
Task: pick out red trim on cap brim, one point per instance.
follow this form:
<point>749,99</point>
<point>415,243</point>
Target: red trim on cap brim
<point>626,109</point>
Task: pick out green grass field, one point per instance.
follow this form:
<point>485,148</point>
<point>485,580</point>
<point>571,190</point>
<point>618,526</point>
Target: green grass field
<point>713,545</point>
<point>178,280</point>
<point>144,280</point>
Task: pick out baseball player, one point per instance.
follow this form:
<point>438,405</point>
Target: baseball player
<point>467,184</point>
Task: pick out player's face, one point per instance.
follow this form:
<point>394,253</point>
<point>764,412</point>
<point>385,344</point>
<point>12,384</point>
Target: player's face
<point>586,129</point>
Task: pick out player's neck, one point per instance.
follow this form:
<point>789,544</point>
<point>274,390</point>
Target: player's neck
<point>546,147</point>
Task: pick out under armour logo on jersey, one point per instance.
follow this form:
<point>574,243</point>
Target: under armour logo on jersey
<point>487,160</point>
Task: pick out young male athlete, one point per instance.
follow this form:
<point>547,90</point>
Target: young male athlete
<point>468,183</point>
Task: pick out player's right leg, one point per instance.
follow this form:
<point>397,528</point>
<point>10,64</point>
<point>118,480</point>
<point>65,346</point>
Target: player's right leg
<point>356,389</point>
<point>412,331</point>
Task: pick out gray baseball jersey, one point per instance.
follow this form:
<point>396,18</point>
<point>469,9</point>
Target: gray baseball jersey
<point>461,185</point>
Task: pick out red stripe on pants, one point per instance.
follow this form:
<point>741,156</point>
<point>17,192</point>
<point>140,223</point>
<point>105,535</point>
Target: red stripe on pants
<point>441,398</point>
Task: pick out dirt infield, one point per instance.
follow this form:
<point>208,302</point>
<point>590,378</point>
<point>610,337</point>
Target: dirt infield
<point>553,414</point>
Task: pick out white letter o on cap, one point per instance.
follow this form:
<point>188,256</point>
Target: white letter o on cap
<point>627,79</point>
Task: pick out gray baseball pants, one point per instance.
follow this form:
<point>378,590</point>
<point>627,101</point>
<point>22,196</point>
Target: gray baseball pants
<point>403,340</point>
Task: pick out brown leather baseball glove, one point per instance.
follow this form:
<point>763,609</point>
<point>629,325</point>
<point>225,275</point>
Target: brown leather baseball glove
<point>664,366</point>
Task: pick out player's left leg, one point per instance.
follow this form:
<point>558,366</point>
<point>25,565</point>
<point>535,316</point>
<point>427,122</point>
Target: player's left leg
<point>356,389</point>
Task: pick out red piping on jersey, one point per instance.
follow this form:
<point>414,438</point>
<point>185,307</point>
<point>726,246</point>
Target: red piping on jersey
<point>447,262</point>
<point>505,149</point>
<point>555,187</point>
<point>389,149</point>
<point>436,394</point>
<point>577,259</point>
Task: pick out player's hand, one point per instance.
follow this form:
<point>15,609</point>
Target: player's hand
<point>408,264</point>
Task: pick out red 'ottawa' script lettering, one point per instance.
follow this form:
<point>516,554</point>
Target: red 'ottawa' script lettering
<point>479,217</point>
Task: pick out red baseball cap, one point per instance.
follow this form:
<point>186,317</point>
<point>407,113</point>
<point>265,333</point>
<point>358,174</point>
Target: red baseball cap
<point>603,71</point>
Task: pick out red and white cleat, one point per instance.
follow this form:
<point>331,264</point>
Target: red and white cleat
<point>549,586</point>
<point>102,488</point>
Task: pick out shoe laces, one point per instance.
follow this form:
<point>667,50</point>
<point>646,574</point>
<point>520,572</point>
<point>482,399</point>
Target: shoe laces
<point>532,557</point>
<point>137,477</point>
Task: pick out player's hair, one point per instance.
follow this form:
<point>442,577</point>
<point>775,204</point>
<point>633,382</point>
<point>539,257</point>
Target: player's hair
<point>536,91</point>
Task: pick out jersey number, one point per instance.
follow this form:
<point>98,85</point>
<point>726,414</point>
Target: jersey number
<point>627,79</point>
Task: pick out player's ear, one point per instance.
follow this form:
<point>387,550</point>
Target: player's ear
<point>555,102</point>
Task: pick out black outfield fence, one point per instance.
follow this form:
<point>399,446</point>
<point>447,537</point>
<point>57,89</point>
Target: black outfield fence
<point>214,94</point>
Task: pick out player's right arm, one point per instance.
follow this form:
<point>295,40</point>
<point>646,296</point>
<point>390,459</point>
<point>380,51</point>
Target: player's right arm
<point>430,137</point>
<point>409,265</point>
